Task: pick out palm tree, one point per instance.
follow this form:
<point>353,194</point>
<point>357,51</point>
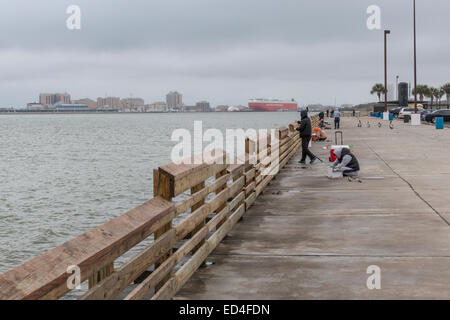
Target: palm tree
<point>446,89</point>
<point>431,93</point>
<point>378,88</point>
<point>422,90</point>
<point>438,94</point>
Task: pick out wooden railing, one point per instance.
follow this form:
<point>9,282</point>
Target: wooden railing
<point>194,226</point>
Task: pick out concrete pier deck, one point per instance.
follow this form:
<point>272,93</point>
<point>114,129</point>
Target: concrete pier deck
<point>308,237</point>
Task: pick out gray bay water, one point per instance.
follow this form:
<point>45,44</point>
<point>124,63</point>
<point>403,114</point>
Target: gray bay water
<point>61,175</point>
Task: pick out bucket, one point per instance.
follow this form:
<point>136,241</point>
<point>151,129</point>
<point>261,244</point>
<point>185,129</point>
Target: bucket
<point>415,119</point>
<point>439,123</point>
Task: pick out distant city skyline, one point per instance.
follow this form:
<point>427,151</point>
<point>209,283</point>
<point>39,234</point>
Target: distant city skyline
<point>221,51</point>
<point>174,102</point>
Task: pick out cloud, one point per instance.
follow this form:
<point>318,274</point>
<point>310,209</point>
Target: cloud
<point>223,51</point>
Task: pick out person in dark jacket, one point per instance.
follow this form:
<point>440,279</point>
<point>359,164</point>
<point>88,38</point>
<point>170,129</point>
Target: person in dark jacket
<point>346,162</point>
<point>305,134</point>
<point>321,120</point>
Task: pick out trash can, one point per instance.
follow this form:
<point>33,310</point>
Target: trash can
<point>381,115</point>
<point>377,114</point>
<point>406,118</point>
<point>391,116</point>
<point>439,123</point>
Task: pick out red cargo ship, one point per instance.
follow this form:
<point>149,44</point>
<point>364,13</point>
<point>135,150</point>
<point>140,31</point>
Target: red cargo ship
<point>272,105</point>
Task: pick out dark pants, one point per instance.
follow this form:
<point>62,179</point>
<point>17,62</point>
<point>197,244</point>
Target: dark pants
<point>350,173</point>
<point>337,122</point>
<point>305,150</point>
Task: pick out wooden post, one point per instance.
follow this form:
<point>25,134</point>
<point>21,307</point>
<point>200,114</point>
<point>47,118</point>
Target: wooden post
<point>195,189</point>
<point>250,151</point>
<point>101,274</point>
<point>161,188</point>
<point>221,188</point>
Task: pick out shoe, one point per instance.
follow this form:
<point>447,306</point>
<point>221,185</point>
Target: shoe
<point>314,161</point>
<point>302,162</point>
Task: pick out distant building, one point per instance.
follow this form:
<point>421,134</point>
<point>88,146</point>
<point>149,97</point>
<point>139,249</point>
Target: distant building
<point>174,100</point>
<point>189,108</point>
<point>71,107</point>
<point>46,99</point>
<point>109,102</point>
<point>159,106</point>
<point>222,108</point>
<point>313,107</point>
<point>33,106</point>
<point>62,98</point>
<point>203,106</point>
<point>89,102</point>
<point>54,98</point>
<point>133,104</point>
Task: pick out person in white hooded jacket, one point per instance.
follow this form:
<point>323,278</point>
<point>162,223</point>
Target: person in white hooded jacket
<point>346,162</point>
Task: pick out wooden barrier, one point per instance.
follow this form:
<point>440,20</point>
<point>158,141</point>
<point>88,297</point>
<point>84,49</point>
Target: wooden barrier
<point>203,225</point>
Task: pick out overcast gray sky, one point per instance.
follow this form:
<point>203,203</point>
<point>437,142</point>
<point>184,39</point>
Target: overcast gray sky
<point>224,51</point>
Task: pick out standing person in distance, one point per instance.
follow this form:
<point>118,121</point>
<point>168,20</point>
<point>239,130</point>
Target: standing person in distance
<point>337,119</point>
<point>321,120</point>
<point>305,134</point>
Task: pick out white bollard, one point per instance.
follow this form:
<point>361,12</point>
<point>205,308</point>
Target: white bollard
<point>415,119</point>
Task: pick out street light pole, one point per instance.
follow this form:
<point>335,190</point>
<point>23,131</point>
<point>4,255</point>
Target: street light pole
<point>386,32</point>
<point>415,59</point>
<point>396,87</point>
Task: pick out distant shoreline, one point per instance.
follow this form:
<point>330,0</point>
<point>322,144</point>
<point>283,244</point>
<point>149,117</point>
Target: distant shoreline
<point>67,112</point>
<point>116,112</point>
